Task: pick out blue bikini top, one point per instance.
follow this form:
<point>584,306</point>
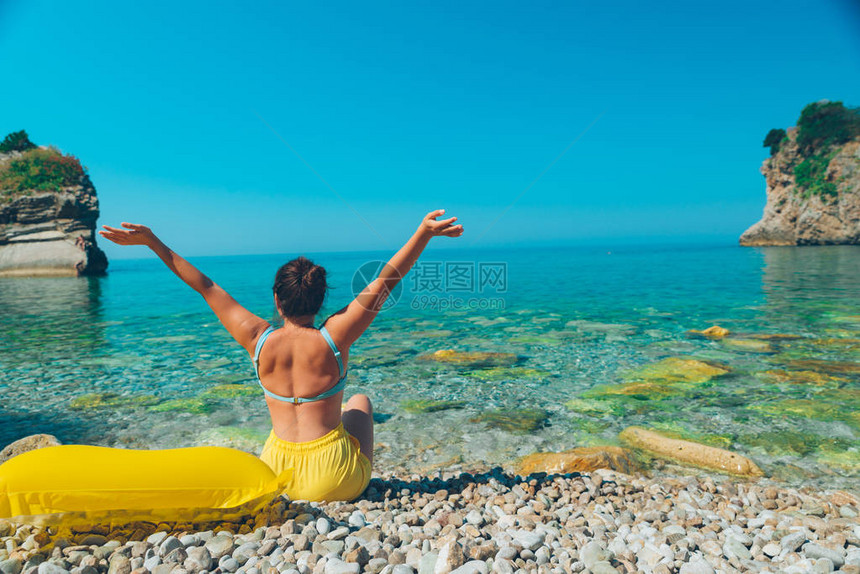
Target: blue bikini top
<point>341,383</point>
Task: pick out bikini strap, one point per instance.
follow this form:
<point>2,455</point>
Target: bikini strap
<point>334,350</point>
<point>259,346</point>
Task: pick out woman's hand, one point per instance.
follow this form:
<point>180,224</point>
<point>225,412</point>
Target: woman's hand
<point>444,227</point>
<point>133,234</point>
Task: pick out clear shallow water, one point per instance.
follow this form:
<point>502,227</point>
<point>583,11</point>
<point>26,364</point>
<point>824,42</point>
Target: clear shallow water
<point>131,359</point>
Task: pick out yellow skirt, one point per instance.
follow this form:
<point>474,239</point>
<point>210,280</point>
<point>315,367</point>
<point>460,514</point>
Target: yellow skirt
<point>328,468</point>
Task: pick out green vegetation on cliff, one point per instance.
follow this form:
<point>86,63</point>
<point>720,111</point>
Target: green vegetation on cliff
<point>822,128</point>
<point>35,169</point>
<point>16,141</point>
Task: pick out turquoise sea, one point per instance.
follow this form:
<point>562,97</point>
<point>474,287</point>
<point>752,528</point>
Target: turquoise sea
<point>136,359</point>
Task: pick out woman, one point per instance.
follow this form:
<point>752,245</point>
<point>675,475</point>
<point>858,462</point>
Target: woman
<point>302,370</point>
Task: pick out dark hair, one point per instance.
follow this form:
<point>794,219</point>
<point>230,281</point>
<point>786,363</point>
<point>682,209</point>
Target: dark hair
<point>300,287</point>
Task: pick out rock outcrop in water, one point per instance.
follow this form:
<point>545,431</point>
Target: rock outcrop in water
<point>813,181</point>
<point>48,213</point>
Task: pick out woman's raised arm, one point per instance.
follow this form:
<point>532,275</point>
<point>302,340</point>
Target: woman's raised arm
<point>347,325</point>
<point>243,325</point>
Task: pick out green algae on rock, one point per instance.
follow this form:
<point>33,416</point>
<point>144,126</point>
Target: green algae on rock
<point>812,378</point>
<point>846,459</point>
<point>430,406</point>
<point>677,370</point>
<point>817,409</point>
<point>230,391</point>
<point>473,359</point>
<point>679,430</point>
<point>194,406</point>
<point>500,374</point>
<point>513,420</point>
<point>834,367</point>
<point>672,377</point>
<point>111,400</point>
<point>384,357</point>
<point>595,407</point>
<point>793,443</point>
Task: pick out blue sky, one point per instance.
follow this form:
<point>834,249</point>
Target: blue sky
<point>181,110</point>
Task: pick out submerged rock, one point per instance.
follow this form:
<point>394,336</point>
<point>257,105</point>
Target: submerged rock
<point>501,374</point>
<point>27,444</point>
<point>111,400</point>
<point>580,459</point>
<point>677,429</point>
<point>713,332</point>
<point>194,406</point>
<point>803,377</point>
<point>670,377</point>
<point>812,409</point>
<point>691,453</point>
<point>775,336</point>
<point>835,367</point>
<point>429,406</point>
<point>513,420</point>
<point>678,370</point>
<point>749,345</point>
<point>474,359</point>
<point>595,408</point>
<point>230,391</point>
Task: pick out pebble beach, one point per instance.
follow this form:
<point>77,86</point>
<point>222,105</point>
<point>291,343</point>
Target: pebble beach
<point>599,522</point>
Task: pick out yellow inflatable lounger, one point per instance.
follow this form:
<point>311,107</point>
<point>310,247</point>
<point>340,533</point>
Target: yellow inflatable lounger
<point>71,484</point>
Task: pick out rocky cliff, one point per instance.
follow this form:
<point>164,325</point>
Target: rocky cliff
<point>49,231</point>
<point>824,212</point>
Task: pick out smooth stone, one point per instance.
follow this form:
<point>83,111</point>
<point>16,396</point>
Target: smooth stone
<point>824,565</point>
<point>220,546</point>
<point>198,559</point>
<point>815,552</point>
<point>244,552</point>
<point>51,568</point>
<point>323,526</point>
<point>177,556</point>
<point>170,544</point>
<point>771,549</point>
<point>734,549</point>
<point>338,566</point>
<point>450,558</point>
<point>357,519</point>
<point>190,540</point>
<point>475,517</point>
<point>472,567</point>
<point>228,564</point>
<point>592,553</point>
<point>697,567</point>
<point>376,565</point>
<point>156,538</point>
<point>603,567</point>
<point>119,564</point>
<point>338,533</point>
<point>427,563</point>
<point>529,539</point>
<point>791,542</point>
<point>403,569</point>
<point>506,553</point>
